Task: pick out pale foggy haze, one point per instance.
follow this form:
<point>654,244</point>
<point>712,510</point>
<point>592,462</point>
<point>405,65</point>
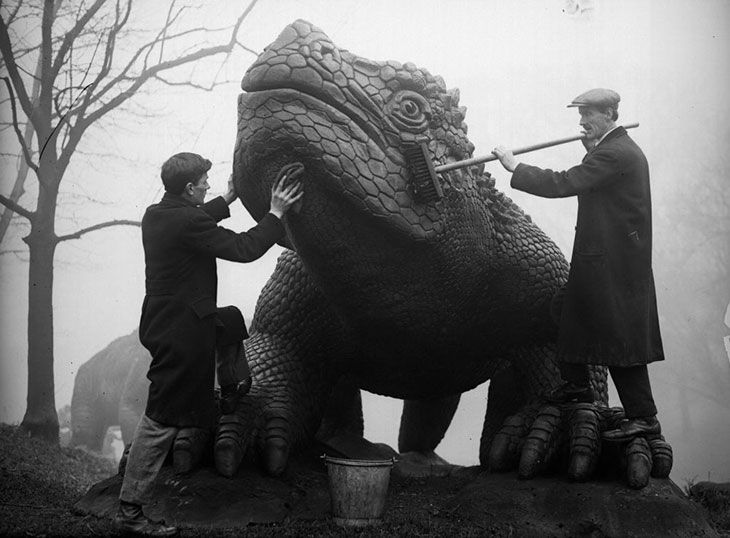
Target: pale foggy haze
<point>517,65</point>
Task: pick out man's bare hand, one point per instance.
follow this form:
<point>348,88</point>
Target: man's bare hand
<point>506,157</point>
<point>287,189</point>
<point>230,194</point>
<point>588,144</point>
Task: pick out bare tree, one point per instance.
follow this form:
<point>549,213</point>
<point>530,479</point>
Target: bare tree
<point>62,77</point>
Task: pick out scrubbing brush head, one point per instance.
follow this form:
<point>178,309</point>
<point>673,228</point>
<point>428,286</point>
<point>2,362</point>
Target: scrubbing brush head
<point>423,179</point>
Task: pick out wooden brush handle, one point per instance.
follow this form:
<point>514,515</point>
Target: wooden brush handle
<point>518,151</point>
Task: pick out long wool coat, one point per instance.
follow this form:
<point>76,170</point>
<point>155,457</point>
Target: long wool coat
<point>178,323</point>
<point>609,311</point>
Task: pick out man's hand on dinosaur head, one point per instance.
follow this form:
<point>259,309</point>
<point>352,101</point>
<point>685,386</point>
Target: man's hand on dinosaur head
<point>287,189</point>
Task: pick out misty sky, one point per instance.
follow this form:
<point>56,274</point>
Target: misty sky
<point>517,65</point>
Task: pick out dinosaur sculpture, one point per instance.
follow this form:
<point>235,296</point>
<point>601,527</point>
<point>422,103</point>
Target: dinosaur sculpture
<point>110,389</point>
<point>417,300</point>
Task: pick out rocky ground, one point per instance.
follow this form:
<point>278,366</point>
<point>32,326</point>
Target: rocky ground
<point>45,491</point>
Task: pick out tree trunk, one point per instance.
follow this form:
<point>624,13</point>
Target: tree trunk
<point>41,419</point>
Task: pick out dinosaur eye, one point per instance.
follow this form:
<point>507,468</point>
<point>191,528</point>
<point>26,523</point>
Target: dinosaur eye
<point>409,111</point>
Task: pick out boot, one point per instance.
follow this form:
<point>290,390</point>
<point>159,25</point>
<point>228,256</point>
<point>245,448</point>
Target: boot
<point>131,521</point>
<point>231,394</point>
<point>634,427</point>
<point>569,392</point>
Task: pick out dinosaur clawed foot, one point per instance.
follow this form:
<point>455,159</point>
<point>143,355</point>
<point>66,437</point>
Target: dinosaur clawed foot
<point>568,437</point>
<point>258,431</point>
<point>189,447</point>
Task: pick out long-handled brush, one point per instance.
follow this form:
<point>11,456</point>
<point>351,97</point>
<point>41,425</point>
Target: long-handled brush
<point>425,183</point>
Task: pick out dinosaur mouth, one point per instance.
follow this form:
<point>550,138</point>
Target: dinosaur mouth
<point>350,101</point>
<point>366,118</point>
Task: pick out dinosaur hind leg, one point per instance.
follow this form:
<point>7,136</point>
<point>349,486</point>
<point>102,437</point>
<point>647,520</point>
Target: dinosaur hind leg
<point>424,423</point>
<point>344,411</point>
<point>505,398</point>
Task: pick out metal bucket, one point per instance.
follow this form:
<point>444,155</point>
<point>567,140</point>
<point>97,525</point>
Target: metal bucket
<point>357,490</point>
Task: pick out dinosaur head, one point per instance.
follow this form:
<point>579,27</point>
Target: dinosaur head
<point>347,119</point>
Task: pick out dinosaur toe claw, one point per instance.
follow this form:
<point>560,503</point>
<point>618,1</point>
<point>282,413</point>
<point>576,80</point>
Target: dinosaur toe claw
<point>229,445</point>
<point>276,455</point>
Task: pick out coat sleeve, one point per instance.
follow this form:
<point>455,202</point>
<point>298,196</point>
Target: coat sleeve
<point>217,208</point>
<point>599,168</point>
<point>205,236</point>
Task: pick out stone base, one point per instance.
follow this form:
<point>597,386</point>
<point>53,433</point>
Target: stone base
<point>555,507</point>
<point>498,503</point>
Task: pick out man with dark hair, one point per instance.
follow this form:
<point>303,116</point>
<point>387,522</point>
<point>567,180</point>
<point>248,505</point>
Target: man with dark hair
<point>181,325</point>
<point>607,312</point>
<point>181,169</point>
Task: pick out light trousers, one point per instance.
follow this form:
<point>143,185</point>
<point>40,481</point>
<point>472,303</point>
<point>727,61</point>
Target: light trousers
<point>151,443</point>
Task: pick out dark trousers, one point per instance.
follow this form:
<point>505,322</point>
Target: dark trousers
<point>632,384</point>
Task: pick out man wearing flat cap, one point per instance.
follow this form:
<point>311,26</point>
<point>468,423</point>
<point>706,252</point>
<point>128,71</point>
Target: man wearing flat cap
<point>607,311</point>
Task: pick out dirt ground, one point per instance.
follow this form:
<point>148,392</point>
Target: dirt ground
<point>66,492</point>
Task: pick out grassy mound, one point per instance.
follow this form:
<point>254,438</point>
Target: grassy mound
<point>716,499</point>
<point>39,484</point>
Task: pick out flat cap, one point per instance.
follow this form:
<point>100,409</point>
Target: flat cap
<point>597,97</point>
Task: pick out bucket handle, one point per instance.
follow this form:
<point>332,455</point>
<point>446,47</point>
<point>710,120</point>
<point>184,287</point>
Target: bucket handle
<point>324,457</point>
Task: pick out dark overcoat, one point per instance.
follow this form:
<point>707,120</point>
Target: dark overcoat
<point>178,323</point>
<point>609,310</point>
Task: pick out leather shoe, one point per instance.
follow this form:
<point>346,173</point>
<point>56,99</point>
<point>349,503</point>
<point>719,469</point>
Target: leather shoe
<point>633,427</point>
<point>231,394</point>
<point>131,521</point>
<point>569,392</point>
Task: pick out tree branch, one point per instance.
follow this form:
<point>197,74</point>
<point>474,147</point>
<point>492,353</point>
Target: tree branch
<point>78,234</point>
<point>71,35</point>
<point>6,48</point>
<point>108,54</point>
<point>14,13</point>
<point>17,252</point>
<point>151,72</point>
<point>13,206</point>
<point>16,127</point>
<point>19,185</point>
<point>190,84</point>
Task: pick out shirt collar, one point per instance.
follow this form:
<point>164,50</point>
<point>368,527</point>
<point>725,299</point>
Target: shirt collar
<point>606,134</point>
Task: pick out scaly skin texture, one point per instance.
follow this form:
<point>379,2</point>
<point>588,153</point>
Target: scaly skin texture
<point>383,292</point>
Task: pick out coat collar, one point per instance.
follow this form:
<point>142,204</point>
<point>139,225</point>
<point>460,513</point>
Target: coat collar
<point>175,200</point>
<point>618,131</point>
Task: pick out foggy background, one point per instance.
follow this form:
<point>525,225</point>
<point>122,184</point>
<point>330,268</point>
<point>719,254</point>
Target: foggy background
<point>517,65</point>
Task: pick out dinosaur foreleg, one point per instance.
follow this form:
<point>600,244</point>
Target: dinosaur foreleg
<point>424,423</point>
<point>292,352</point>
<point>284,407</point>
<point>262,419</point>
